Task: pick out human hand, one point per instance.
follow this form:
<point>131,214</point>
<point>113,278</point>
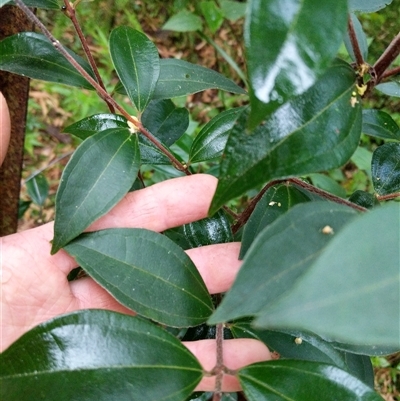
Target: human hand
<point>35,286</point>
<point>5,128</point>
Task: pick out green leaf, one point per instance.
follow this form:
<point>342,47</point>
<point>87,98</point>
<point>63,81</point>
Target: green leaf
<point>316,131</point>
<point>212,14</point>
<point>368,6</point>
<point>303,38</point>
<point>232,9</point>
<point>280,255</point>
<point>344,293</point>
<point>328,184</point>
<point>302,381</point>
<point>98,122</point>
<point>46,4</point>
<point>364,199</point>
<point>137,63</point>
<point>146,272</point>
<point>276,201</point>
<point>370,350</point>
<point>165,121</point>
<point>38,189</point>
<point>389,88</point>
<point>96,178</point>
<point>211,230</point>
<point>385,167</point>
<point>183,21</point>
<point>361,39</point>
<point>211,140</point>
<point>97,355</point>
<point>32,55</point>
<point>180,78</point>
<point>379,124</point>
<point>4,2</point>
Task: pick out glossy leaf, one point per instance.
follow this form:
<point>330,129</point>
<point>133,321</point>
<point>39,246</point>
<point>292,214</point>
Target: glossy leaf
<point>97,355</point>
<point>303,38</point>
<point>210,141</point>
<point>46,4</point>
<point>38,189</point>
<point>385,168</point>
<point>389,88</point>
<point>280,255</point>
<point>136,61</point>
<point>149,154</point>
<point>276,201</point>
<point>212,14</point>
<point>370,350</point>
<point>98,122</point>
<point>349,285</point>
<point>183,21</point>
<point>96,178</point>
<point>364,199</point>
<point>308,347</point>
<point>368,6</point>
<point>165,121</point>
<point>211,230</point>
<point>302,381</point>
<point>32,54</point>
<point>180,78</point>
<point>379,124</point>
<point>317,131</point>
<point>361,39</point>
<point>146,272</point>
<point>232,9</point>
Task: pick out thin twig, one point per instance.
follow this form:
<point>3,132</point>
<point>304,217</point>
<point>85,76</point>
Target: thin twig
<point>101,92</point>
<point>390,73</point>
<point>387,57</point>
<point>388,197</point>
<point>70,11</point>
<point>354,42</point>
<point>219,367</point>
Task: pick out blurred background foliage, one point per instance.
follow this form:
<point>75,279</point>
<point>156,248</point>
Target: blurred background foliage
<point>52,107</point>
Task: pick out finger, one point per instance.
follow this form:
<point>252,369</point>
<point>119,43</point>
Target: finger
<point>5,128</point>
<point>236,354</point>
<point>159,207</point>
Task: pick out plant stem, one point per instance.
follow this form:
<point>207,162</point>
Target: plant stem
<point>390,73</point>
<point>101,92</point>
<point>388,197</point>
<point>354,42</point>
<point>219,367</point>
<point>300,183</point>
<point>387,57</point>
<point>70,11</point>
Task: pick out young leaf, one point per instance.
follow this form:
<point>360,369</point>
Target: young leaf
<point>183,21</point>
<point>97,355</point>
<point>212,14</point>
<point>38,189</point>
<point>276,201</point>
<point>137,63</point>
<point>385,168</point>
<point>349,285</point>
<point>32,54</point>
<point>303,38</point>
<point>210,141</point>
<point>146,272</point>
<point>165,121</point>
<point>98,175</point>
<point>368,6</point>
<point>361,39</point>
<point>232,9</point>
<point>379,124</point>
<point>180,78</point>
<point>302,381</point>
<point>316,131</point>
<point>281,254</point>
